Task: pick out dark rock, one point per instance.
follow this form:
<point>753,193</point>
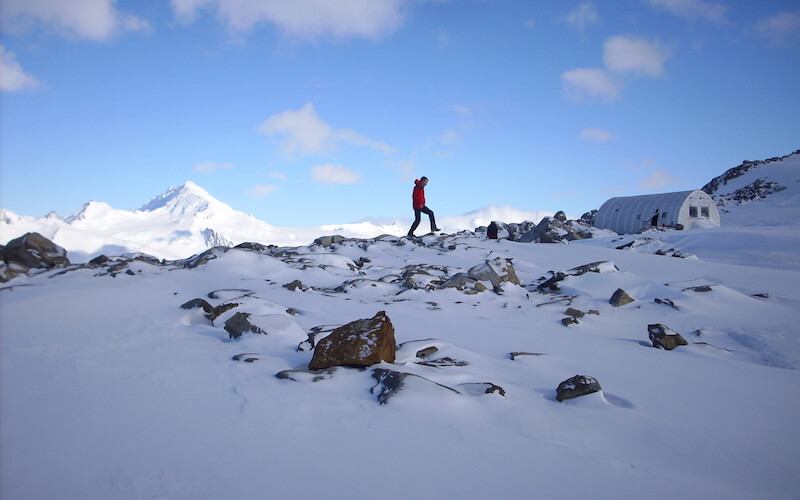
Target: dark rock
<point>195,303</point>
<point>575,313</point>
<point>306,375</point>
<point>363,342</point>
<point>203,258</point>
<point>427,352</point>
<point>700,289</point>
<point>219,310</point>
<point>247,357</point>
<point>551,282</point>
<point>620,298</point>
<point>446,361</point>
<point>294,286</point>
<point>459,281</point>
<point>661,339</point>
<point>327,241</point>
<point>255,247</point>
<point>390,382</point>
<point>570,321</point>
<point>515,355</point>
<point>239,324</point>
<point>481,388</point>
<point>99,261</point>
<point>579,385</point>
<point>667,302</point>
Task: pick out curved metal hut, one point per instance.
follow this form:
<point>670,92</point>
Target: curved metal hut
<point>683,210</point>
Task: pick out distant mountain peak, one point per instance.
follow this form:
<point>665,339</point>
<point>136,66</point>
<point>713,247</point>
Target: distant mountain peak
<point>180,200</point>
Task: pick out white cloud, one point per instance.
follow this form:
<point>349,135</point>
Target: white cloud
<point>780,27</point>
<point>334,174</point>
<point>450,137</point>
<point>89,19</point>
<point>629,54</point>
<point>302,19</point>
<point>303,132</point>
<point>597,135</point>
<point>656,180</point>
<point>582,16</point>
<point>590,82</point>
<point>12,77</point>
<point>261,190</point>
<point>693,9</point>
<point>278,175</point>
<point>461,110</point>
<point>210,166</point>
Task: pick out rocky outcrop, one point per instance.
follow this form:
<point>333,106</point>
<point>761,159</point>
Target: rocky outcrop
<point>716,183</point>
<point>550,282</point>
<point>363,342</point>
<point>30,251</point>
<point>579,385</point>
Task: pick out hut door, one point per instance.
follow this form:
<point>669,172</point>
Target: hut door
<point>654,220</point>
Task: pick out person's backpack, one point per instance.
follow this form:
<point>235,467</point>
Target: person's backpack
<point>491,231</point>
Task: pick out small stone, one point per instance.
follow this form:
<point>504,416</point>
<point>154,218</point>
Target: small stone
<point>575,313</point>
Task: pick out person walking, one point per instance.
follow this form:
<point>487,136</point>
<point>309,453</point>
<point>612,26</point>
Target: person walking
<point>418,203</point>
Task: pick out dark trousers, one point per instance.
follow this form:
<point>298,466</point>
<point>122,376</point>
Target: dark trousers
<point>418,216</point>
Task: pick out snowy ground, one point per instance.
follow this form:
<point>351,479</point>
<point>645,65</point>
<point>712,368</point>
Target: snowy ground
<point>111,390</point>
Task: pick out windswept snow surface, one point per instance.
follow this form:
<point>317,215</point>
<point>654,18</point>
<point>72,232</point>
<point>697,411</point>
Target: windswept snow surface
<point>111,390</point>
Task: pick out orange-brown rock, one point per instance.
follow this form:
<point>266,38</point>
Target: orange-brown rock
<point>363,342</point>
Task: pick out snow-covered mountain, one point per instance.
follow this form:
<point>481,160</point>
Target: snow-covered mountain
<point>182,221</point>
<point>185,220</point>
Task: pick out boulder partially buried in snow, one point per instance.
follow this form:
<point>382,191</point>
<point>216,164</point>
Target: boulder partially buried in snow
<point>660,338</point>
<point>496,271</point>
<point>363,342</point>
<point>620,298</point>
<point>579,385</point>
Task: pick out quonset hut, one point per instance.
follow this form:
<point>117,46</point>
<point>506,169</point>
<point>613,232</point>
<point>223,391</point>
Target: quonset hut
<point>683,210</point>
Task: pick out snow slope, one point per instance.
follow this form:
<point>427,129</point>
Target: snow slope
<point>185,220</point>
<point>109,389</point>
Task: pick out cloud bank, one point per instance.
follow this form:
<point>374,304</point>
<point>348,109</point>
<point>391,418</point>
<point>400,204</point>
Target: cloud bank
<point>303,133</point>
<point>301,19</point>
<point>12,77</point>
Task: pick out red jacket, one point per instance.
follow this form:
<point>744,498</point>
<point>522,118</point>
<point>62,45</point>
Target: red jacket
<point>418,196</point>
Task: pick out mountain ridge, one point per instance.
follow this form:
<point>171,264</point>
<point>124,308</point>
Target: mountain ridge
<point>185,219</point>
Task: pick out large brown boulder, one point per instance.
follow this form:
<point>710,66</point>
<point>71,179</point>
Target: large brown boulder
<point>30,251</point>
<point>363,342</point>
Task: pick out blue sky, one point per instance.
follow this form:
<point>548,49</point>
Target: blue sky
<point>316,112</point>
